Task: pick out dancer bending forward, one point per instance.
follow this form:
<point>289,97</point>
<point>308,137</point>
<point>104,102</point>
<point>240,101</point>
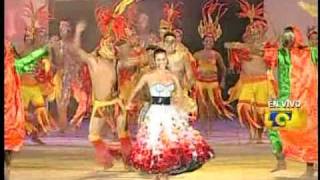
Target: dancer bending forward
<point>166,144</point>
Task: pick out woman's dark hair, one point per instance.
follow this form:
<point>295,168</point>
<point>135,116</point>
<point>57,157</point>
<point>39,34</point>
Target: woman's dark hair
<point>169,34</point>
<point>158,51</point>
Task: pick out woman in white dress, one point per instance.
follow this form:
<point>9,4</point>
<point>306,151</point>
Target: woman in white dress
<point>166,143</point>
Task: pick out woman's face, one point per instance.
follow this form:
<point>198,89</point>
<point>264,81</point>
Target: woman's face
<point>161,60</point>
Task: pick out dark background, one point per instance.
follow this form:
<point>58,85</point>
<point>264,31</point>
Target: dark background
<point>232,26</point>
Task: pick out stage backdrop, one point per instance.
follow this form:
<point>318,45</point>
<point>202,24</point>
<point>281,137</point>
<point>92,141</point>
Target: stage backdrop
<point>282,13</point>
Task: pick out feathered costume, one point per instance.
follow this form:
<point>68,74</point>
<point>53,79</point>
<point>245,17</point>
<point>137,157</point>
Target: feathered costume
<point>37,84</point>
<point>14,122</point>
<point>252,91</point>
<point>113,27</point>
<point>210,27</point>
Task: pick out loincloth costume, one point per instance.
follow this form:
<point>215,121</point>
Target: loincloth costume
<point>103,152</point>
<point>255,91</point>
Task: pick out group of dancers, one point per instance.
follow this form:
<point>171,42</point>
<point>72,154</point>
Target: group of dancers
<point>136,76</point>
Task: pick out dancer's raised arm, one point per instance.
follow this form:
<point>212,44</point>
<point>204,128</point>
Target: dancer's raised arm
<point>76,46</point>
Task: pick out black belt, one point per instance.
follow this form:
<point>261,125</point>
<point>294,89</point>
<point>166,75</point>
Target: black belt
<point>160,100</point>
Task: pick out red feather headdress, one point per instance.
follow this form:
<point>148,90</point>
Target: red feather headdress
<point>255,15</point>
<point>209,25</point>
<point>171,12</point>
<point>37,19</point>
<point>111,21</point>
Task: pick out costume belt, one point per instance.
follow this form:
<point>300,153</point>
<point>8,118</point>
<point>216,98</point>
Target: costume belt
<point>253,78</point>
<point>161,100</point>
<point>98,104</point>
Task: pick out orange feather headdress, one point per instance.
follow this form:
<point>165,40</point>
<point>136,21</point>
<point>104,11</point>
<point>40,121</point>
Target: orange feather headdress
<point>209,25</point>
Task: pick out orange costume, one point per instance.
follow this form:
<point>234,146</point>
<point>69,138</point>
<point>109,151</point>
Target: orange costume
<point>82,93</point>
<point>14,132</point>
<point>297,81</point>
<point>208,83</point>
<point>111,23</point>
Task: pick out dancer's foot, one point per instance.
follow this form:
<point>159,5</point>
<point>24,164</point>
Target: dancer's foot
<point>156,177</point>
<point>251,141</point>
<point>107,166</point>
<point>259,141</point>
<point>128,168</point>
<point>37,140</point>
<point>7,164</point>
<point>281,165</point>
<point>163,177</point>
<point>310,171</point>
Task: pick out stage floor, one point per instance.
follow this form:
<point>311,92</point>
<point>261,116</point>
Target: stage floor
<point>72,158</point>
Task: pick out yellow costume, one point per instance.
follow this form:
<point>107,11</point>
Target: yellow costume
<point>57,86</point>
<point>254,91</point>
<point>32,94</point>
<point>96,124</point>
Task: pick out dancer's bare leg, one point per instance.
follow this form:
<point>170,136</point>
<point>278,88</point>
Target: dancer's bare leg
<point>102,152</point>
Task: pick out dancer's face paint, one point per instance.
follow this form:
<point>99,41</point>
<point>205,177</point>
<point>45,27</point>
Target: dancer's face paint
<point>161,60</point>
<point>208,42</point>
<point>170,44</point>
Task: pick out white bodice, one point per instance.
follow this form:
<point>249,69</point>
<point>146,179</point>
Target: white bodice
<point>161,90</point>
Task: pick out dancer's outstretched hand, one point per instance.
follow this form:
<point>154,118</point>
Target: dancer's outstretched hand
<point>81,26</point>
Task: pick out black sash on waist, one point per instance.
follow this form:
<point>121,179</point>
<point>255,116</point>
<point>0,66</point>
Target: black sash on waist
<point>160,100</point>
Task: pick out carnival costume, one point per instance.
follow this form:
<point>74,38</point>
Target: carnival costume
<point>171,14</point>
<point>111,24</point>
<point>165,141</point>
<point>252,91</point>
<point>82,93</point>
<point>297,80</point>
<point>209,83</point>
<point>37,84</point>
<point>314,49</point>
